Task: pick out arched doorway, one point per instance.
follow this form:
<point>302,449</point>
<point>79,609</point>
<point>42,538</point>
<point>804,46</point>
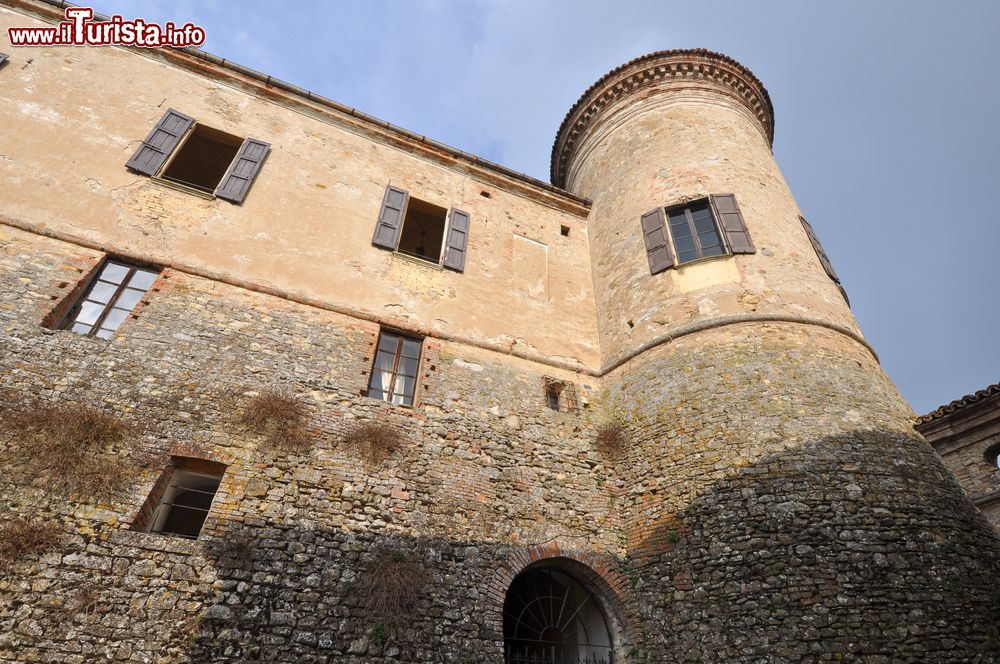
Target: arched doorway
<point>550,617</point>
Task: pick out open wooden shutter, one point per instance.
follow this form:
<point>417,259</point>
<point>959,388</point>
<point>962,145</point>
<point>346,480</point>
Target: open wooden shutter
<point>818,248</point>
<point>458,237</point>
<point>658,251</point>
<point>731,222</point>
<point>3,59</point>
<point>235,184</point>
<point>390,218</point>
<point>164,138</point>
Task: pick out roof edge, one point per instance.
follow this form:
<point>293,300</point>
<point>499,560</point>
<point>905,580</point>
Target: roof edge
<point>646,70</point>
<point>959,404</point>
<point>178,56</point>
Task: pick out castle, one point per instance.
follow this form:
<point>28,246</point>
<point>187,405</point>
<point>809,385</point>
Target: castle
<point>283,382</point>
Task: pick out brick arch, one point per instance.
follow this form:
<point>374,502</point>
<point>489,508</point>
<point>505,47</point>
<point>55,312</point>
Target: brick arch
<point>596,571</point>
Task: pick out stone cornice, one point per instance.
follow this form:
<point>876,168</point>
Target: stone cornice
<point>646,71</point>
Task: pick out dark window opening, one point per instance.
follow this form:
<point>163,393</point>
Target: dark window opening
<point>992,455</point>
<point>552,392</point>
<point>694,232</point>
<point>423,230</point>
<point>564,231</point>
<point>109,299</point>
<point>185,504</point>
<point>394,373</point>
<point>203,158</point>
<point>485,194</point>
<point>550,618</point>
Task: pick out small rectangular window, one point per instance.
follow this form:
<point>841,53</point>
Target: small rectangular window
<point>394,372</point>
<point>694,232</point>
<point>552,395</point>
<point>423,230</point>
<point>109,299</point>
<point>185,504</point>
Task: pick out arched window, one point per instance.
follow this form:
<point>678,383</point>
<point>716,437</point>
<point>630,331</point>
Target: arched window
<point>992,455</point>
<point>549,617</point>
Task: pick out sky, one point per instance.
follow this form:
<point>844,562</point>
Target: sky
<point>887,122</point>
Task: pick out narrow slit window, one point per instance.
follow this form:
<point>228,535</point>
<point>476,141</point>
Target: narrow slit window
<point>422,235</point>
<point>552,394</point>
<point>185,504</point>
<point>203,158</point>
<point>109,299</point>
<point>394,373</point>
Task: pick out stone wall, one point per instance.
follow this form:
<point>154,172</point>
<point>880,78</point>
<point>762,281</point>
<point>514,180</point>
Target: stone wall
<point>487,474</point>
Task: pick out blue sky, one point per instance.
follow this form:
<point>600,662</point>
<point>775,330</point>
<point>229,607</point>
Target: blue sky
<point>887,123</point>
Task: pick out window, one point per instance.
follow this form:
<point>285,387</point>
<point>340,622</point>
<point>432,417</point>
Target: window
<point>421,229</point>
<point>106,304</point>
<point>704,228</point>
<point>694,232</point>
<point>185,503</point>
<point>394,373</point>
<point>206,159</point>
<point>3,59</point>
<point>203,158</point>
<point>992,455</point>
<point>552,396</point>
<point>823,258</point>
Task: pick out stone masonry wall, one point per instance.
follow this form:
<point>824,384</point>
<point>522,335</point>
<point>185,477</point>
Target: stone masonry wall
<point>486,476</point>
<point>781,508</point>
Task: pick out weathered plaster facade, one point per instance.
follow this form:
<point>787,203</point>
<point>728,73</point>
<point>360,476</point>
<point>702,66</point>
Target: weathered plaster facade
<point>770,502</point>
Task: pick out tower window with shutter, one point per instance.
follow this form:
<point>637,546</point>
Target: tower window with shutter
<point>704,228</point>
<point>181,150</point>
<point>423,230</point>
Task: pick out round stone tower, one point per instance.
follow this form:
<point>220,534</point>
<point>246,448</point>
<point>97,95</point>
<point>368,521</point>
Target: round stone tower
<point>780,506</point>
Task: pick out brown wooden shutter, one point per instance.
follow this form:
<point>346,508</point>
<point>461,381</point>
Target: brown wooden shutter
<point>731,222</point>
<point>658,251</point>
<point>235,184</point>
<point>390,218</point>
<point>820,253</point>
<point>164,138</point>
<point>458,238</point>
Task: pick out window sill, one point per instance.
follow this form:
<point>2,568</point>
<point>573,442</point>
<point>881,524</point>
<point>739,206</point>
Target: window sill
<point>177,186</point>
<point>702,261</point>
<point>417,261</point>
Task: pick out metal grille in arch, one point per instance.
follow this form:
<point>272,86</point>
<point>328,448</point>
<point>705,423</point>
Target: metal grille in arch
<point>551,618</point>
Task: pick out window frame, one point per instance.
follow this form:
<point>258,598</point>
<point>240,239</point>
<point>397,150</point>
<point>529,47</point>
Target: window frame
<point>161,174</point>
<point>69,320</point>
<point>389,391</point>
<point>689,219</point>
<point>171,483</point>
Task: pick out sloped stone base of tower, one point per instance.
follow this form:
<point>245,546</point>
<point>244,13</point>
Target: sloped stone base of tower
<point>782,509</point>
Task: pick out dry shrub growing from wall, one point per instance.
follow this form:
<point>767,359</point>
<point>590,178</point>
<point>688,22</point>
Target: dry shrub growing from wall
<point>21,538</point>
<point>281,418</point>
<point>610,439</point>
<point>69,447</point>
<point>373,441</point>
<point>389,587</point>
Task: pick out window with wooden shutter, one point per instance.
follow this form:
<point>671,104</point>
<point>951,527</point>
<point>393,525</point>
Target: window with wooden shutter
<point>694,232</point>
<point>818,248</point>
<point>236,182</point>
<point>458,236</point>
<point>200,157</point>
<point>823,258</point>
<point>422,230</point>
<point>654,234</point>
<point>160,143</point>
<point>731,222</point>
